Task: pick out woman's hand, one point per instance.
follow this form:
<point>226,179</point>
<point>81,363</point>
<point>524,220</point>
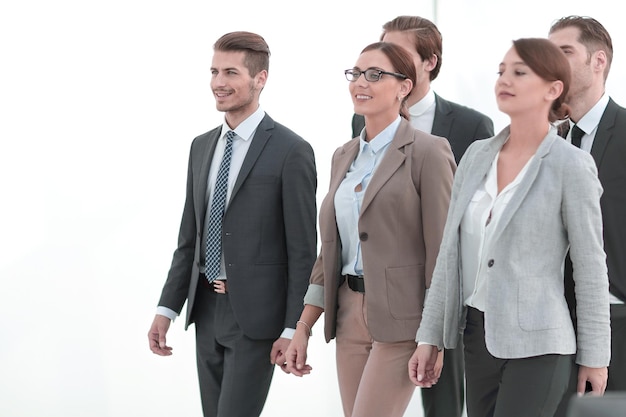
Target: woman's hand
<point>422,366</point>
<point>295,356</point>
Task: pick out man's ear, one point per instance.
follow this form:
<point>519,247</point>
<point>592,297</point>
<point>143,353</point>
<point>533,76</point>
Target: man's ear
<point>599,61</point>
<point>260,79</point>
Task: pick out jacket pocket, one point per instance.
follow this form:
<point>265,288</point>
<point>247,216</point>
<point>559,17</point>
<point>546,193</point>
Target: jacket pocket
<point>405,291</point>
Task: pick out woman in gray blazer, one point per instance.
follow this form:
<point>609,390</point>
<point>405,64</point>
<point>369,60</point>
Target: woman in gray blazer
<point>380,226</point>
<point>520,201</point>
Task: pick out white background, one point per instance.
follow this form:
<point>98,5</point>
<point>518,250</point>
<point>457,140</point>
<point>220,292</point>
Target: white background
<point>99,102</point>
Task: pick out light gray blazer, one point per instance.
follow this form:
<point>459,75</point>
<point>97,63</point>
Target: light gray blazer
<point>555,208</point>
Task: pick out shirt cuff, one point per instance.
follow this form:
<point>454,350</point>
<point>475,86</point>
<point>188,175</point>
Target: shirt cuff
<point>315,295</point>
<point>288,333</point>
<point>167,312</point>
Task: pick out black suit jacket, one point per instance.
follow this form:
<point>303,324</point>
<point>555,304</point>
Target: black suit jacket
<point>269,235</point>
<point>609,152</point>
<point>459,124</point>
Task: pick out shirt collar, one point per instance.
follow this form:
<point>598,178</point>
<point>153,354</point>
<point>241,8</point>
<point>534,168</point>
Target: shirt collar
<point>381,140</point>
<point>424,104</point>
<point>591,119</point>
<point>246,129</point>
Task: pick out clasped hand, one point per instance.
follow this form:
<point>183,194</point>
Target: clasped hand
<point>296,355</point>
<point>425,366</point>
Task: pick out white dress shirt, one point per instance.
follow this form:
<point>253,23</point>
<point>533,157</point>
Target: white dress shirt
<point>589,123</point>
<point>423,112</point>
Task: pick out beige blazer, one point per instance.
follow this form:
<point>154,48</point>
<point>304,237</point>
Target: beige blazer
<point>400,228</point>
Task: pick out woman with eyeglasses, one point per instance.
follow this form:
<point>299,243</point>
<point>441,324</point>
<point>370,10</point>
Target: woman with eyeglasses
<point>521,201</point>
<point>380,225</point>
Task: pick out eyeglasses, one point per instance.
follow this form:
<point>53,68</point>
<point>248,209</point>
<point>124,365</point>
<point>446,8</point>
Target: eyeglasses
<point>371,74</point>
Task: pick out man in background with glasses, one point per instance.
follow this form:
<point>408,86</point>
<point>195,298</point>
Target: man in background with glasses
<point>461,126</point>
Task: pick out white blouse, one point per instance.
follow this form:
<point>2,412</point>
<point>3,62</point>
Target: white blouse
<point>477,226</point>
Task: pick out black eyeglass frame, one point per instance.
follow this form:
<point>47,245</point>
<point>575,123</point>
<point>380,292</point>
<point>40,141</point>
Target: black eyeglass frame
<point>351,74</point>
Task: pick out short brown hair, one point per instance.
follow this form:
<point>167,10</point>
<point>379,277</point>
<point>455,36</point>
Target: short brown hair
<point>256,50</point>
<point>426,37</point>
<point>592,34</point>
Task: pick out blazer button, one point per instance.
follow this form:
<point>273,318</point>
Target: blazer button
<point>363,236</point>
<point>490,263</point>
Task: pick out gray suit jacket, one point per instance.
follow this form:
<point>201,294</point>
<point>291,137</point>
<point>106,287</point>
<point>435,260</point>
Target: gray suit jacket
<point>555,207</point>
<point>459,124</point>
<point>269,235</point>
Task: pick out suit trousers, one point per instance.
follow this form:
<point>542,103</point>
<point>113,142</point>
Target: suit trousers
<point>617,366</point>
<point>234,371</point>
<point>373,376</point>
<point>526,387</point>
<point>446,398</point>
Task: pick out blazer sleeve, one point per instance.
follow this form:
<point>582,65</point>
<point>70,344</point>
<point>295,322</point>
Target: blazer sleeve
<point>299,179</point>
<point>436,176</point>
<point>583,221</point>
<point>176,286</point>
<point>438,321</point>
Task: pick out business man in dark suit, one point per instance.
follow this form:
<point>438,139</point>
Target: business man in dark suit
<point>247,239</point>
<point>598,125</point>
<point>461,126</point>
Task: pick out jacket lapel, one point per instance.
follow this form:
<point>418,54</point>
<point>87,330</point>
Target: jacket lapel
<point>605,131</point>
<point>343,159</point>
<point>260,138</point>
<point>524,186</point>
<point>200,191</point>
<point>393,159</point>
<point>476,167</point>
<point>443,120</point>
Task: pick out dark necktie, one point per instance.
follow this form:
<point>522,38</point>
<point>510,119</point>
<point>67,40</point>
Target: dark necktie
<point>577,134</point>
<point>213,256</point>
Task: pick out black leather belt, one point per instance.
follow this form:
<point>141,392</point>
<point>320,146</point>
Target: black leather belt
<point>356,282</point>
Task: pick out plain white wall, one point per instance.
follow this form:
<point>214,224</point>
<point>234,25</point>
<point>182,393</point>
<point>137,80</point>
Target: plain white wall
<point>99,102</point>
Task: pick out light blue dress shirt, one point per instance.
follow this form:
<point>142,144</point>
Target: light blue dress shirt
<point>349,196</point>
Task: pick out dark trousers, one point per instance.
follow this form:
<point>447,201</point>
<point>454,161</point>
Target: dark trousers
<point>527,387</point>
<point>446,399</point>
<point>234,371</point>
<point>617,366</point>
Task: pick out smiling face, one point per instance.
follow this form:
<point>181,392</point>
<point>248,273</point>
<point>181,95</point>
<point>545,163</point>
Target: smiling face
<point>520,91</point>
<point>236,92</point>
<point>382,97</point>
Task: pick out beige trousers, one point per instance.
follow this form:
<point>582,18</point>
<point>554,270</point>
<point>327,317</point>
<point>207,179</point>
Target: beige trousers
<point>373,376</point>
